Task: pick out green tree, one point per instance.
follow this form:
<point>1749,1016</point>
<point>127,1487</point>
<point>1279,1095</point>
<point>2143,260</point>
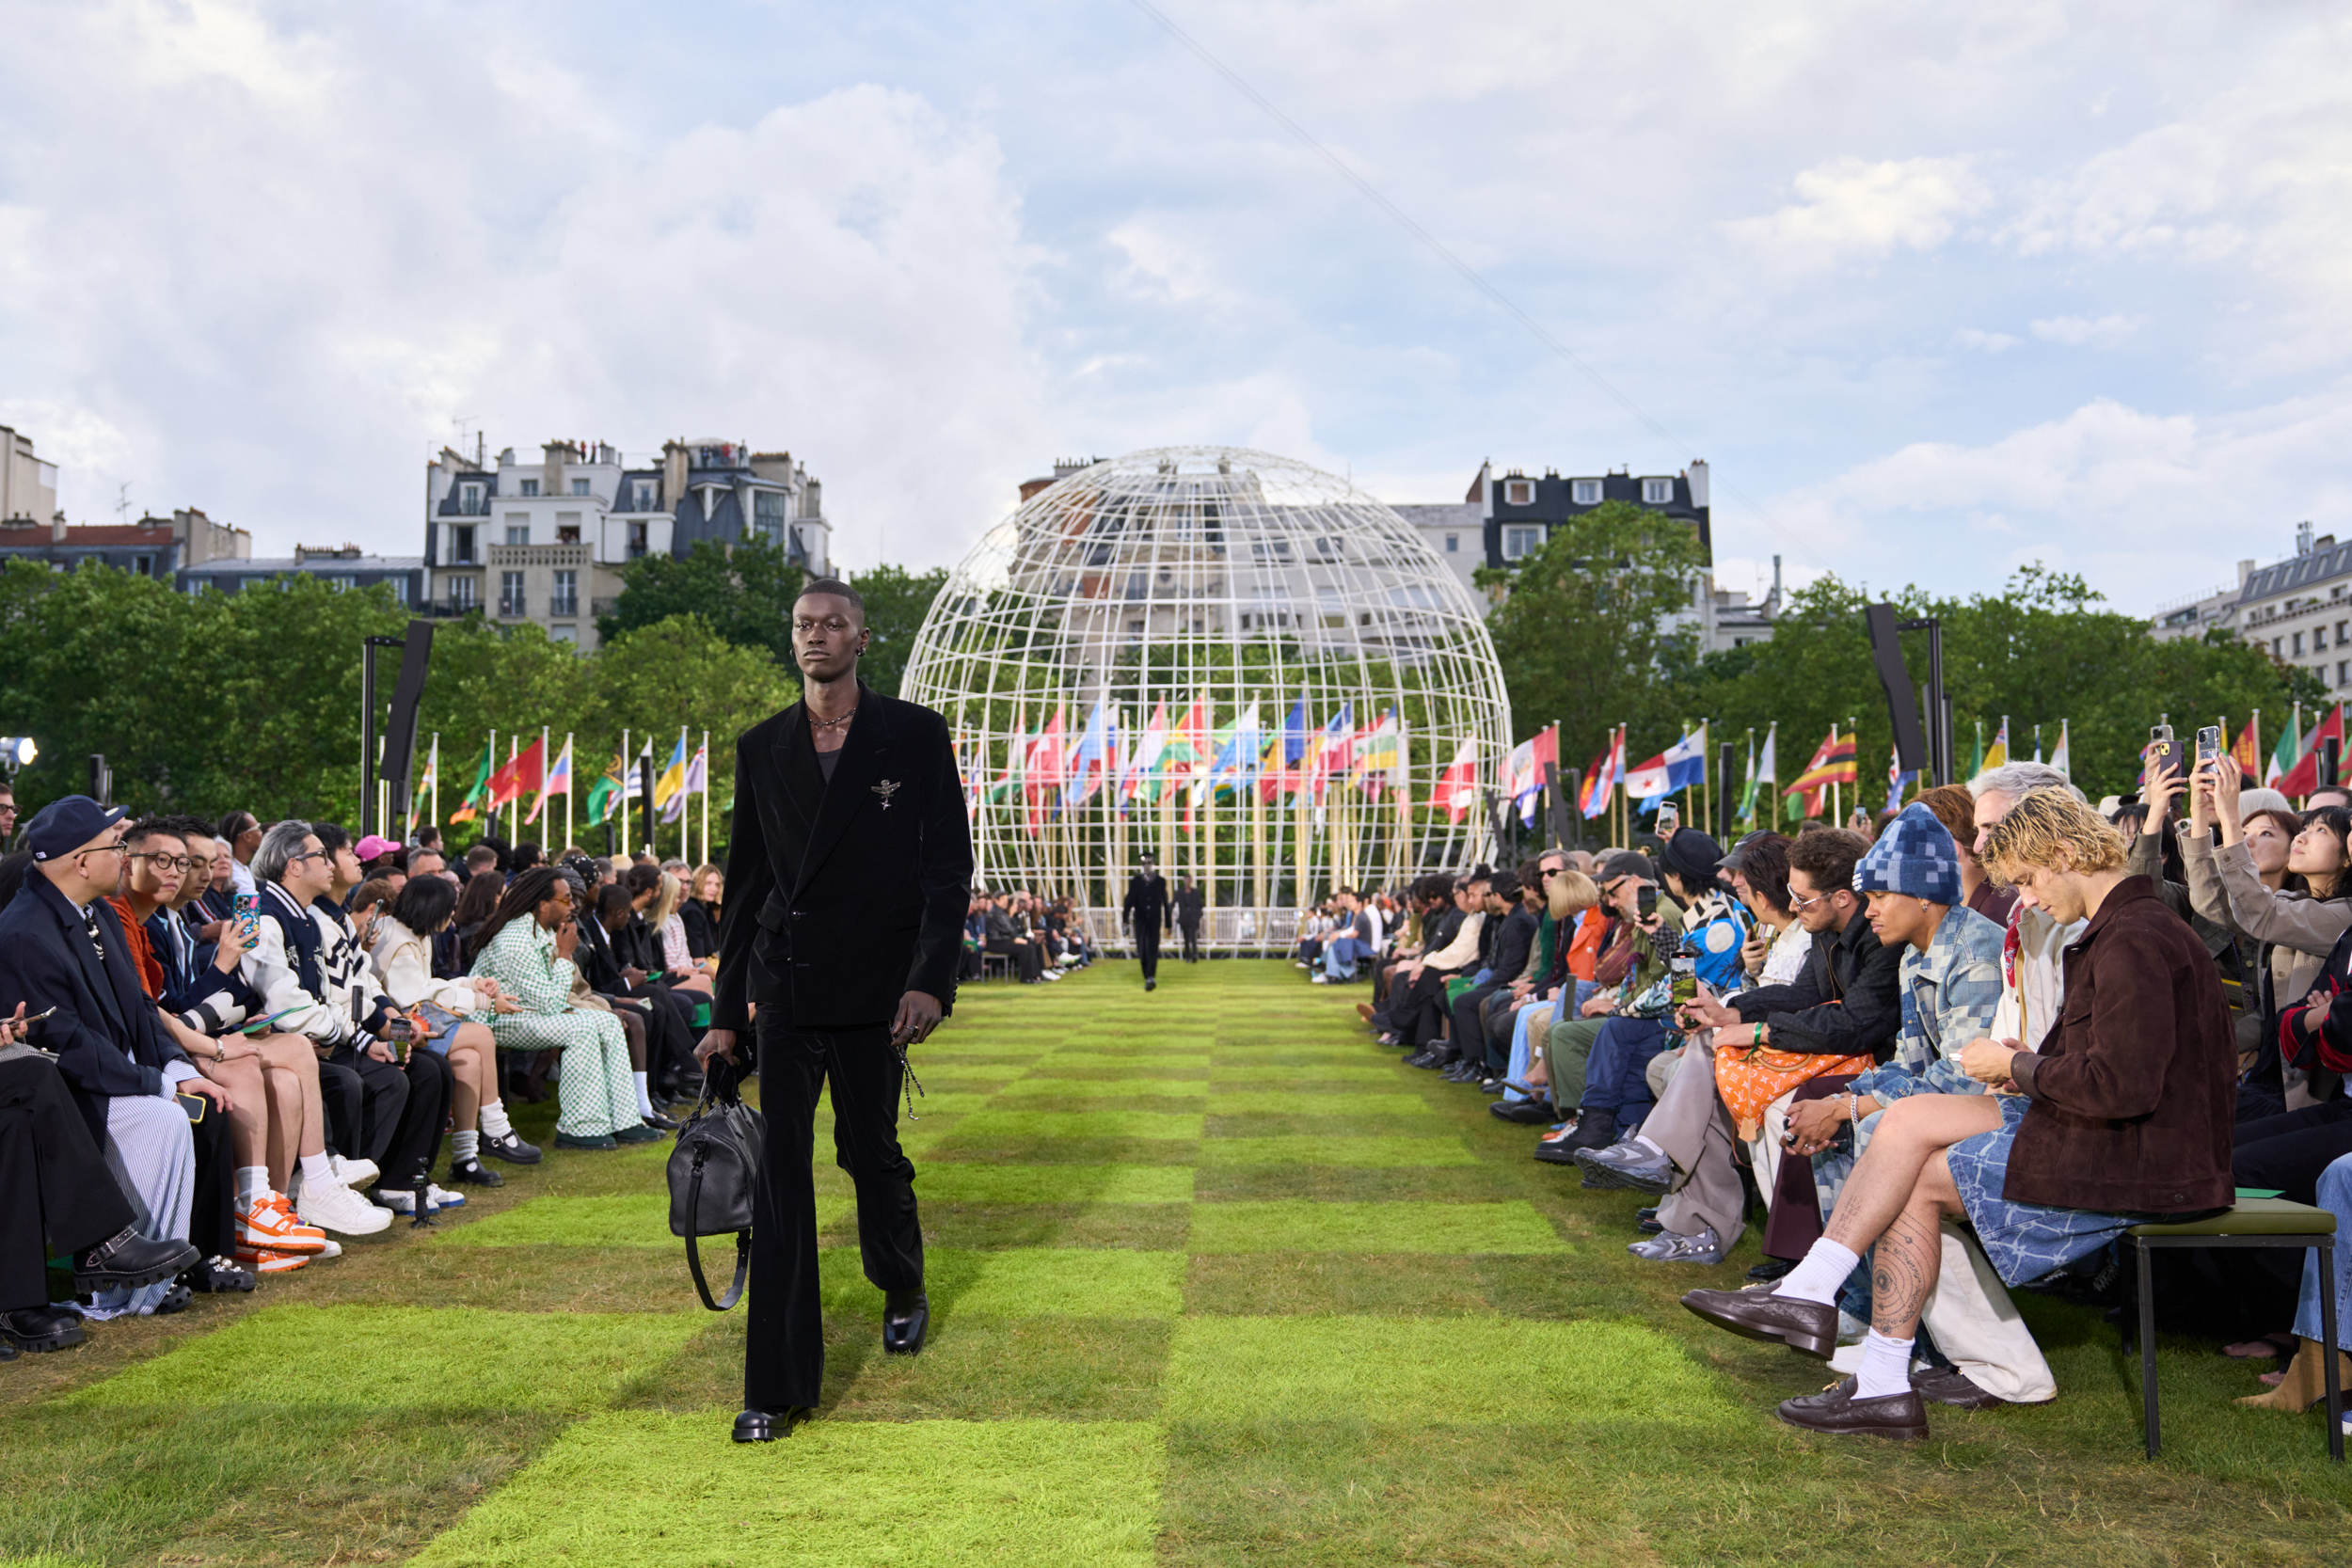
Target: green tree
<point>681,672</point>
<point>1586,636</point>
<point>895,602</point>
<point>744,592</point>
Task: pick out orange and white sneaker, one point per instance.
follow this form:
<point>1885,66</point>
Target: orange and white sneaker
<point>270,1225</point>
<point>262,1261</point>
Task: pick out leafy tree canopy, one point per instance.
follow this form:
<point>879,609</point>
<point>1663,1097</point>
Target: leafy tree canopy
<point>745,594</point>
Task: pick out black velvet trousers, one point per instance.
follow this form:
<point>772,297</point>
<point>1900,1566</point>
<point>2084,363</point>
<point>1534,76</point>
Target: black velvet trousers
<point>784,1358</point>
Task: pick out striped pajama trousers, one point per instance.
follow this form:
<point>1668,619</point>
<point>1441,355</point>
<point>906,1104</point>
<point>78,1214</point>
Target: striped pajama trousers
<point>597,1093</point>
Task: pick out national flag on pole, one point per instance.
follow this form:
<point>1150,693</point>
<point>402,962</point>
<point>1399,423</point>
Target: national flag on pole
<point>2304,776</point>
<point>2289,751</point>
<point>697,782</point>
<point>1680,764</point>
<point>1091,759</point>
<point>1601,788</point>
<point>559,778</point>
<point>1832,764</point>
<point>1763,770</point>
<point>2059,758</point>
<point>672,782</point>
<point>1334,748</point>
<point>478,794</point>
<point>1143,758</point>
<point>1996,755</point>
<point>519,777</point>
<point>1381,757</point>
<point>1457,786</point>
<point>1295,728</point>
<point>1897,778</point>
<point>432,776</point>
<point>1237,754</point>
<point>2243,750</point>
<point>606,790</point>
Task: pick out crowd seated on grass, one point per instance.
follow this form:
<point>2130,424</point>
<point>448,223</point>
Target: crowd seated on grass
<point>1039,939</point>
<point>1977,1038</point>
<point>195,1095</point>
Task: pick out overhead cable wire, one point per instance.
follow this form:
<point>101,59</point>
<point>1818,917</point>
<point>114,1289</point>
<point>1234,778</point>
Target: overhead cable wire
<point>1471,274</point>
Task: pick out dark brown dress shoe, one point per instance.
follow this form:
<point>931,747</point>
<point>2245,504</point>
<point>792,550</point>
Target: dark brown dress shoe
<point>1808,1326</point>
<point>1952,1386</point>
<point>1836,1411</point>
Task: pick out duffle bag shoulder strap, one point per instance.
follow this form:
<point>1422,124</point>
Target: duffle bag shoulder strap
<point>693,1252</point>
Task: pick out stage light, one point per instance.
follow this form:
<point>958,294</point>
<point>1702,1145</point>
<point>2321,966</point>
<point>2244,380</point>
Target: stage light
<point>16,751</point>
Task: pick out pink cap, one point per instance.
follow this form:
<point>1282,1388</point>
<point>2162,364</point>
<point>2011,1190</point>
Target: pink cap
<point>373,846</point>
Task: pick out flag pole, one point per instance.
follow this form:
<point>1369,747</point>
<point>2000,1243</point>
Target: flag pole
<point>705,860</point>
<point>626,760</point>
<point>537,807</point>
<point>571,770</point>
<point>1837,799</point>
<point>437,780</point>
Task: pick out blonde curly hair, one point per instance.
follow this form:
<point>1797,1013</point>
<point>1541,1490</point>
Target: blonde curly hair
<point>2050,828</point>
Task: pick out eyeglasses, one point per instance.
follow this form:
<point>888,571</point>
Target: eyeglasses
<point>166,863</point>
<point>1797,903</point>
<point>100,849</point>
<point>306,855</point>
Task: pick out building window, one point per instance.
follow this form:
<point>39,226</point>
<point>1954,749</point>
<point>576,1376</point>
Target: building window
<point>339,581</point>
<point>565,599</point>
<point>1452,544</point>
<point>1658,491</point>
<point>580,487</point>
<point>461,596</point>
<point>145,567</point>
<point>510,593</point>
<point>1584,491</point>
<point>528,487</point>
<point>768,514</point>
<point>645,495</point>
<point>400,590</point>
<point>636,540</point>
<point>1518,492</point>
<point>568,528</point>
<point>517,529</point>
<point>461,545</point>
<point>2319,637</point>
<point>1518,543</point>
<point>2299,644</point>
<point>471,501</point>
<point>563,634</point>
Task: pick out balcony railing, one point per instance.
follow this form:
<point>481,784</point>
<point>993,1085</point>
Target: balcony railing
<point>571,556</point>
<point>512,604</point>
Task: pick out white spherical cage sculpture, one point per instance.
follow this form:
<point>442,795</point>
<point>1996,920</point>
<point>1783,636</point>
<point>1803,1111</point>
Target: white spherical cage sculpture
<point>1233,584</point>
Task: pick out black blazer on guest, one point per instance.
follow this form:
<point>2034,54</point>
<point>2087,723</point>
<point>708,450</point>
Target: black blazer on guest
<point>842,897</point>
<point>109,1041</point>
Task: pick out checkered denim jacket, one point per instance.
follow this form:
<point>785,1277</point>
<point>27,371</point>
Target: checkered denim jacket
<point>1949,993</point>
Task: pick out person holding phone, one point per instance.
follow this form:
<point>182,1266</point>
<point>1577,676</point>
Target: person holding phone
<point>847,883</point>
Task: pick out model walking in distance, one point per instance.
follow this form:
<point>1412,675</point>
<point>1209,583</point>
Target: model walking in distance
<point>1146,912</point>
<point>847,883</point>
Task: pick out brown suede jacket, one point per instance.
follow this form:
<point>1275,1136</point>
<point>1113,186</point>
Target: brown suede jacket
<point>2135,1090</point>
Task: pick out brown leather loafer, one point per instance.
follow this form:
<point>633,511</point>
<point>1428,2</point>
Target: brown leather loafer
<point>1835,1410</point>
<point>1807,1326</point>
<point>1952,1386</point>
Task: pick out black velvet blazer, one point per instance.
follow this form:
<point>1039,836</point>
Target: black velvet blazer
<point>842,897</point>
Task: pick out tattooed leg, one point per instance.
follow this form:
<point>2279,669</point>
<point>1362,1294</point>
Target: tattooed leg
<point>1904,1265</point>
<point>1914,1132</point>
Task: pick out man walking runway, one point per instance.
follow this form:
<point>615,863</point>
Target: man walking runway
<point>847,884</point>
<point>1188,904</point>
<point>1146,911</point>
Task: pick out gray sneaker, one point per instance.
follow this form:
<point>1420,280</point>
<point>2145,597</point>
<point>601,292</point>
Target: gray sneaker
<point>1627,1165</point>
<point>1705,1248</point>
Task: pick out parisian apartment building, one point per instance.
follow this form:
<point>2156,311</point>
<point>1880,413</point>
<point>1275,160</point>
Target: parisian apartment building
<point>544,539</point>
<point>2300,607</point>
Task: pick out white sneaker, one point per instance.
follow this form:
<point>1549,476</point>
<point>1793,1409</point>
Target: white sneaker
<point>334,1248</point>
<point>396,1200</point>
<point>354,1174</point>
<point>441,1198</point>
<point>341,1210</point>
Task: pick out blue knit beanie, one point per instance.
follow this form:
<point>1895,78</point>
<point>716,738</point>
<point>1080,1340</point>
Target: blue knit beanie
<point>1914,856</point>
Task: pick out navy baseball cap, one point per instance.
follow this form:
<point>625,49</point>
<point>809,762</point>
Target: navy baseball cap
<point>64,826</point>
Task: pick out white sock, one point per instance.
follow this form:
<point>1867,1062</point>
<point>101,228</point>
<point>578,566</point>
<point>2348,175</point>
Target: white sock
<point>1824,1270</point>
<point>315,1169</point>
<point>252,1185</point>
<point>1885,1368</point>
<point>645,1100</point>
<point>464,1146</point>
<point>1642,1138</point>
<point>494,1120</point>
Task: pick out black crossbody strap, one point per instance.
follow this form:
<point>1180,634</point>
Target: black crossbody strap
<point>693,1254</point>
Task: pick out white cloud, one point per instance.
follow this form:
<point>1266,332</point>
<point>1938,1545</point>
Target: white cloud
<point>1852,210</point>
<point>1162,264</point>
<point>1983,342</point>
<point>2105,332</point>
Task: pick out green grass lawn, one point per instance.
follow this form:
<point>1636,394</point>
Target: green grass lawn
<point>1214,1281</point>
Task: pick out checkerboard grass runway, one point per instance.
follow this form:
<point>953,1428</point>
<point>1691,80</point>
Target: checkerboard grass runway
<point>1215,1280</point>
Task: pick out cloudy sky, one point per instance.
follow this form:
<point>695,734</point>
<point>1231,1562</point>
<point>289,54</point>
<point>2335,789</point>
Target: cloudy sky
<point>1936,290</point>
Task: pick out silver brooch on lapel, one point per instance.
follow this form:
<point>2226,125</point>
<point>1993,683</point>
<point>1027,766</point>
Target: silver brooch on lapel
<point>886,789</point>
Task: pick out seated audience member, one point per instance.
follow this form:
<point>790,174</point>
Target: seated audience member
<point>681,970</point>
<point>1627,968</point>
<point>154,865</point>
<point>1356,939</point>
<point>477,900</point>
<point>1575,927</point>
<point>1516,901</point>
<point>294,967</point>
<point>701,911</point>
<point>240,831</point>
<point>2270,878</point>
<point>1414,1017</point>
<point>1004,936</point>
<point>1956,809</point>
<point>441,1021</point>
<point>67,950</point>
<point>2125,1115</point>
<point>1807,1038</point>
<point>1708,930</point>
<point>526,947</point>
<point>206,993</point>
<point>627,991</point>
<point>62,1201</point>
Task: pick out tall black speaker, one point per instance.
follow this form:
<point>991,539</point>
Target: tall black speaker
<point>399,730</point>
<point>1902,697</point>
